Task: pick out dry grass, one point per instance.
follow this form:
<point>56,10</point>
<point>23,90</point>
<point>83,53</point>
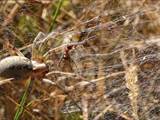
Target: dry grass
<point>103,58</point>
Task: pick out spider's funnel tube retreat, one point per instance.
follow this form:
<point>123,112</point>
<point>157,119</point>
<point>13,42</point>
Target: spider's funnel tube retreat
<point>19,68</point>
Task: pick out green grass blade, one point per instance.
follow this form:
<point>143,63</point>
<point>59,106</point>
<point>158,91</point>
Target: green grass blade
<point>20,109</point>
<point>56,15</point>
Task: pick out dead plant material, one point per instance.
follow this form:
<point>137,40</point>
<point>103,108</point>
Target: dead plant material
<point>131,78</point>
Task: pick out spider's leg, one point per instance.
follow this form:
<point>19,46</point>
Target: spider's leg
<point>61,59</point>
<point>4,81</point>
<point>12,49</point>
<point>35,45</point>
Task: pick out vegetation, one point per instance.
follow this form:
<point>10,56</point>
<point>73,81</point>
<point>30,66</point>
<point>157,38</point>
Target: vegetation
<point>102,55</point>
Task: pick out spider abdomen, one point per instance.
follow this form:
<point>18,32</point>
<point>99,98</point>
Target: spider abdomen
<point>16,67</point>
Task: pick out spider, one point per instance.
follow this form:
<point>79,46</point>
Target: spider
<point>19,68</point>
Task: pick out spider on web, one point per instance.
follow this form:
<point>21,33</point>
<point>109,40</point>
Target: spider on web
<point>18,67</point>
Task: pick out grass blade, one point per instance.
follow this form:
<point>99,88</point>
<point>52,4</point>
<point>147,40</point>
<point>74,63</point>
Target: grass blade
<point>20,109</point>
<point>55,15</point>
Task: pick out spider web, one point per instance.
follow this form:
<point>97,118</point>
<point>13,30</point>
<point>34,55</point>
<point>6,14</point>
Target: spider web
<point>93,74</point>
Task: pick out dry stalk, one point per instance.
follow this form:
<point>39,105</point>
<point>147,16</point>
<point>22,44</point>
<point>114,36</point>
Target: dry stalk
<point>11,15</point>
<point>81,85</point>
<point>85,106</point>
<point>58,101</point>
<point>103,112</point>
<point>131,78</point>
<point>101,84</point>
